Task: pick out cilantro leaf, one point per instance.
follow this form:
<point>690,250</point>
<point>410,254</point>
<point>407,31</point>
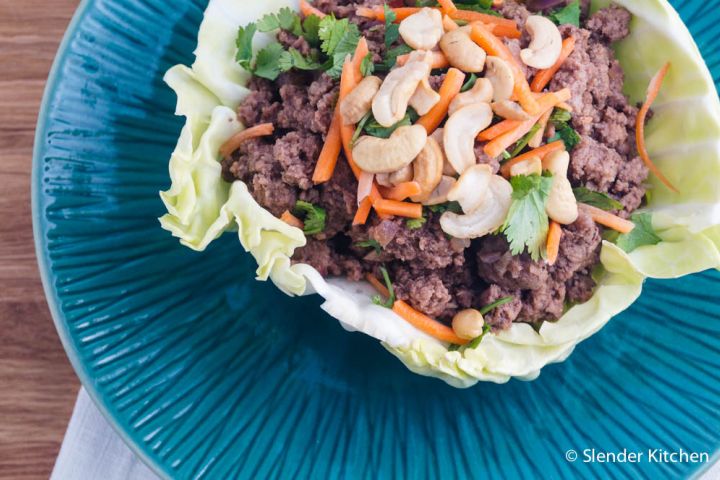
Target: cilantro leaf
<point>564,132</point>
<point>642,234</point>
<point>392,29</point>
<point>339,38</point>
<point>312,216</point>
<point>526,225</point>
<point>453,207</point>
<point>391,57</point>
<point>570,14</point>
<point>294,59</point>
<point>377,299</point>
<point>311,28</point>
<point>596,199</point>
<point>267,63</point>
<point>415,223</point>
<point>370,243</point>
<point>284,19</point>
<point>374,129</point>
<point>244,43</point>
<point>559,115</point>
<point>367,67</point>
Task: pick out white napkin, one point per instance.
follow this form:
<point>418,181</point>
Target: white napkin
<point>92,450</point>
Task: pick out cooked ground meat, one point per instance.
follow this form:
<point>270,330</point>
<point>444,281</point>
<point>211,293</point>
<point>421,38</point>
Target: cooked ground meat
<point>436,274</point>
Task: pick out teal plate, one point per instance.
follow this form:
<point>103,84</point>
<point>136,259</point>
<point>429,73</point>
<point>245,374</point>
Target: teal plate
<point>207,373</point>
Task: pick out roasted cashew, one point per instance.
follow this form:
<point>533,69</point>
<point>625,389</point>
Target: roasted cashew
<point>468,324</point>
<point>482,92</point>
<point>427,168</point>
<point>462,52</point>
<point>439,195</point>
<point>471,189</point>
<point>448,169</point>
<point>359,102</point>
<point>379,155</point>
<point>531,166</point>
<point>501,77</point>
<point>390,104</point>
<point>561,205</point>
<point>546,43</point>
<point>460,131</point>
<point>422,30</point>
<point>405,174</point>
<point>509,110</point>
<point>486,219</point>
<point>424,98</point>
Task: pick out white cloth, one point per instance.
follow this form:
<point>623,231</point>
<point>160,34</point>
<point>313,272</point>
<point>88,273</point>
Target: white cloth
<point>92,450</point>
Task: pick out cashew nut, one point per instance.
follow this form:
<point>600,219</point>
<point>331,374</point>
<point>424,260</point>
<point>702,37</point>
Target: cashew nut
<point>471,189</point>
<point>509,110</point>
<point>428,167</point>
<point>486,219</point>
<point>390,104</point>
<point>468,324</point>
<point>359,102</point>
<point>462,52</point>
<point>501,77</point>
<point>405,174</point>
<point>422,30</point>
<point>448,169</point>
<point>482,92</point>
<point>531,166</point>
<point>546,43</point>
<point>379,155</point>
<point>460,131</point>
<point>424,98</point>
<point>439,195</point>
<point>561,205</point>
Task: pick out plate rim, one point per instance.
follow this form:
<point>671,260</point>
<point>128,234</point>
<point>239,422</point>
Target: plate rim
<point>46,276</point>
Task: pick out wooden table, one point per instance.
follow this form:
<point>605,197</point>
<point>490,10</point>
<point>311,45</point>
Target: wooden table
<point>37,385</point>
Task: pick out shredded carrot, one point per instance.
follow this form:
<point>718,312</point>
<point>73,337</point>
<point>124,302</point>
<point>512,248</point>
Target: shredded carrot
<point>361,52</point>
<point>540,152</point>
<point>501,143</point>
<point>502,30</point>
<point>401,191</point>
<point>565,106</point>
<point>448,91</point>
<point>652,93</point>
<point>537,139</point>
<point>401,209</point>
<point>553,242</point>
<point>607,219</point>
<point>439,60</point>
<point>234,142</point>
<point>543,77</point>
<point>447,6</point>
<point>448,24</point>
<point>498,129</point>
<point>472,17</point>
<point>363,212</point>
<point>378,13</point>
<point>426,324</point>
<point>498,3</point>
<point>291,219</point>
<point>378,285</point>
<point>306,9</point>
<point>494,46</point>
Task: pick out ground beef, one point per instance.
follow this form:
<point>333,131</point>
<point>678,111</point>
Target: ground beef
<point>434,273</point>
<point>483,158</point>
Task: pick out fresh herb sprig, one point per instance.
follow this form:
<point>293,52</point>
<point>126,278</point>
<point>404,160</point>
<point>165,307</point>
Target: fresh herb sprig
<point>527,224</point>
<point>643,234</point>
<point>567,15</point>
<point>377,299</point>
<point>313,217</point>
<point>596,199</point>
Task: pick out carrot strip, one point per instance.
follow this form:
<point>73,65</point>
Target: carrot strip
<point>306,9</point>
<point>451,86</point>
<point>471,17</point>
<point>378,285</point>
<point>494,46</point>
<point>498,129</point>
<point>361,52</point>
<point>234,142</point>
<point>363,212</point>
<point>652,93</point>
<point>439,60</point>
<point>496,146</point>
<point>401,209</point>
<point>537,139</point>
<point>565,106</point>
<point>501,30</point>
<point>426,324</point>
<point>401,191</point>
<point>607,219</point>
<point>553,242</point>
<point>540,152</point>
<point>543,77</point>
<point>291,219</point>
<point>378,13</point>
<point>448,24</point>
<point>448,7</point>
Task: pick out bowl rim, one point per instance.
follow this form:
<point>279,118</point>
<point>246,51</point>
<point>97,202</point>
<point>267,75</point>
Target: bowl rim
<point>38,226</point>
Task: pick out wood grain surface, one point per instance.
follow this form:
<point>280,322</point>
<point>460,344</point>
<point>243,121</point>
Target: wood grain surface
<point>37,385</point>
